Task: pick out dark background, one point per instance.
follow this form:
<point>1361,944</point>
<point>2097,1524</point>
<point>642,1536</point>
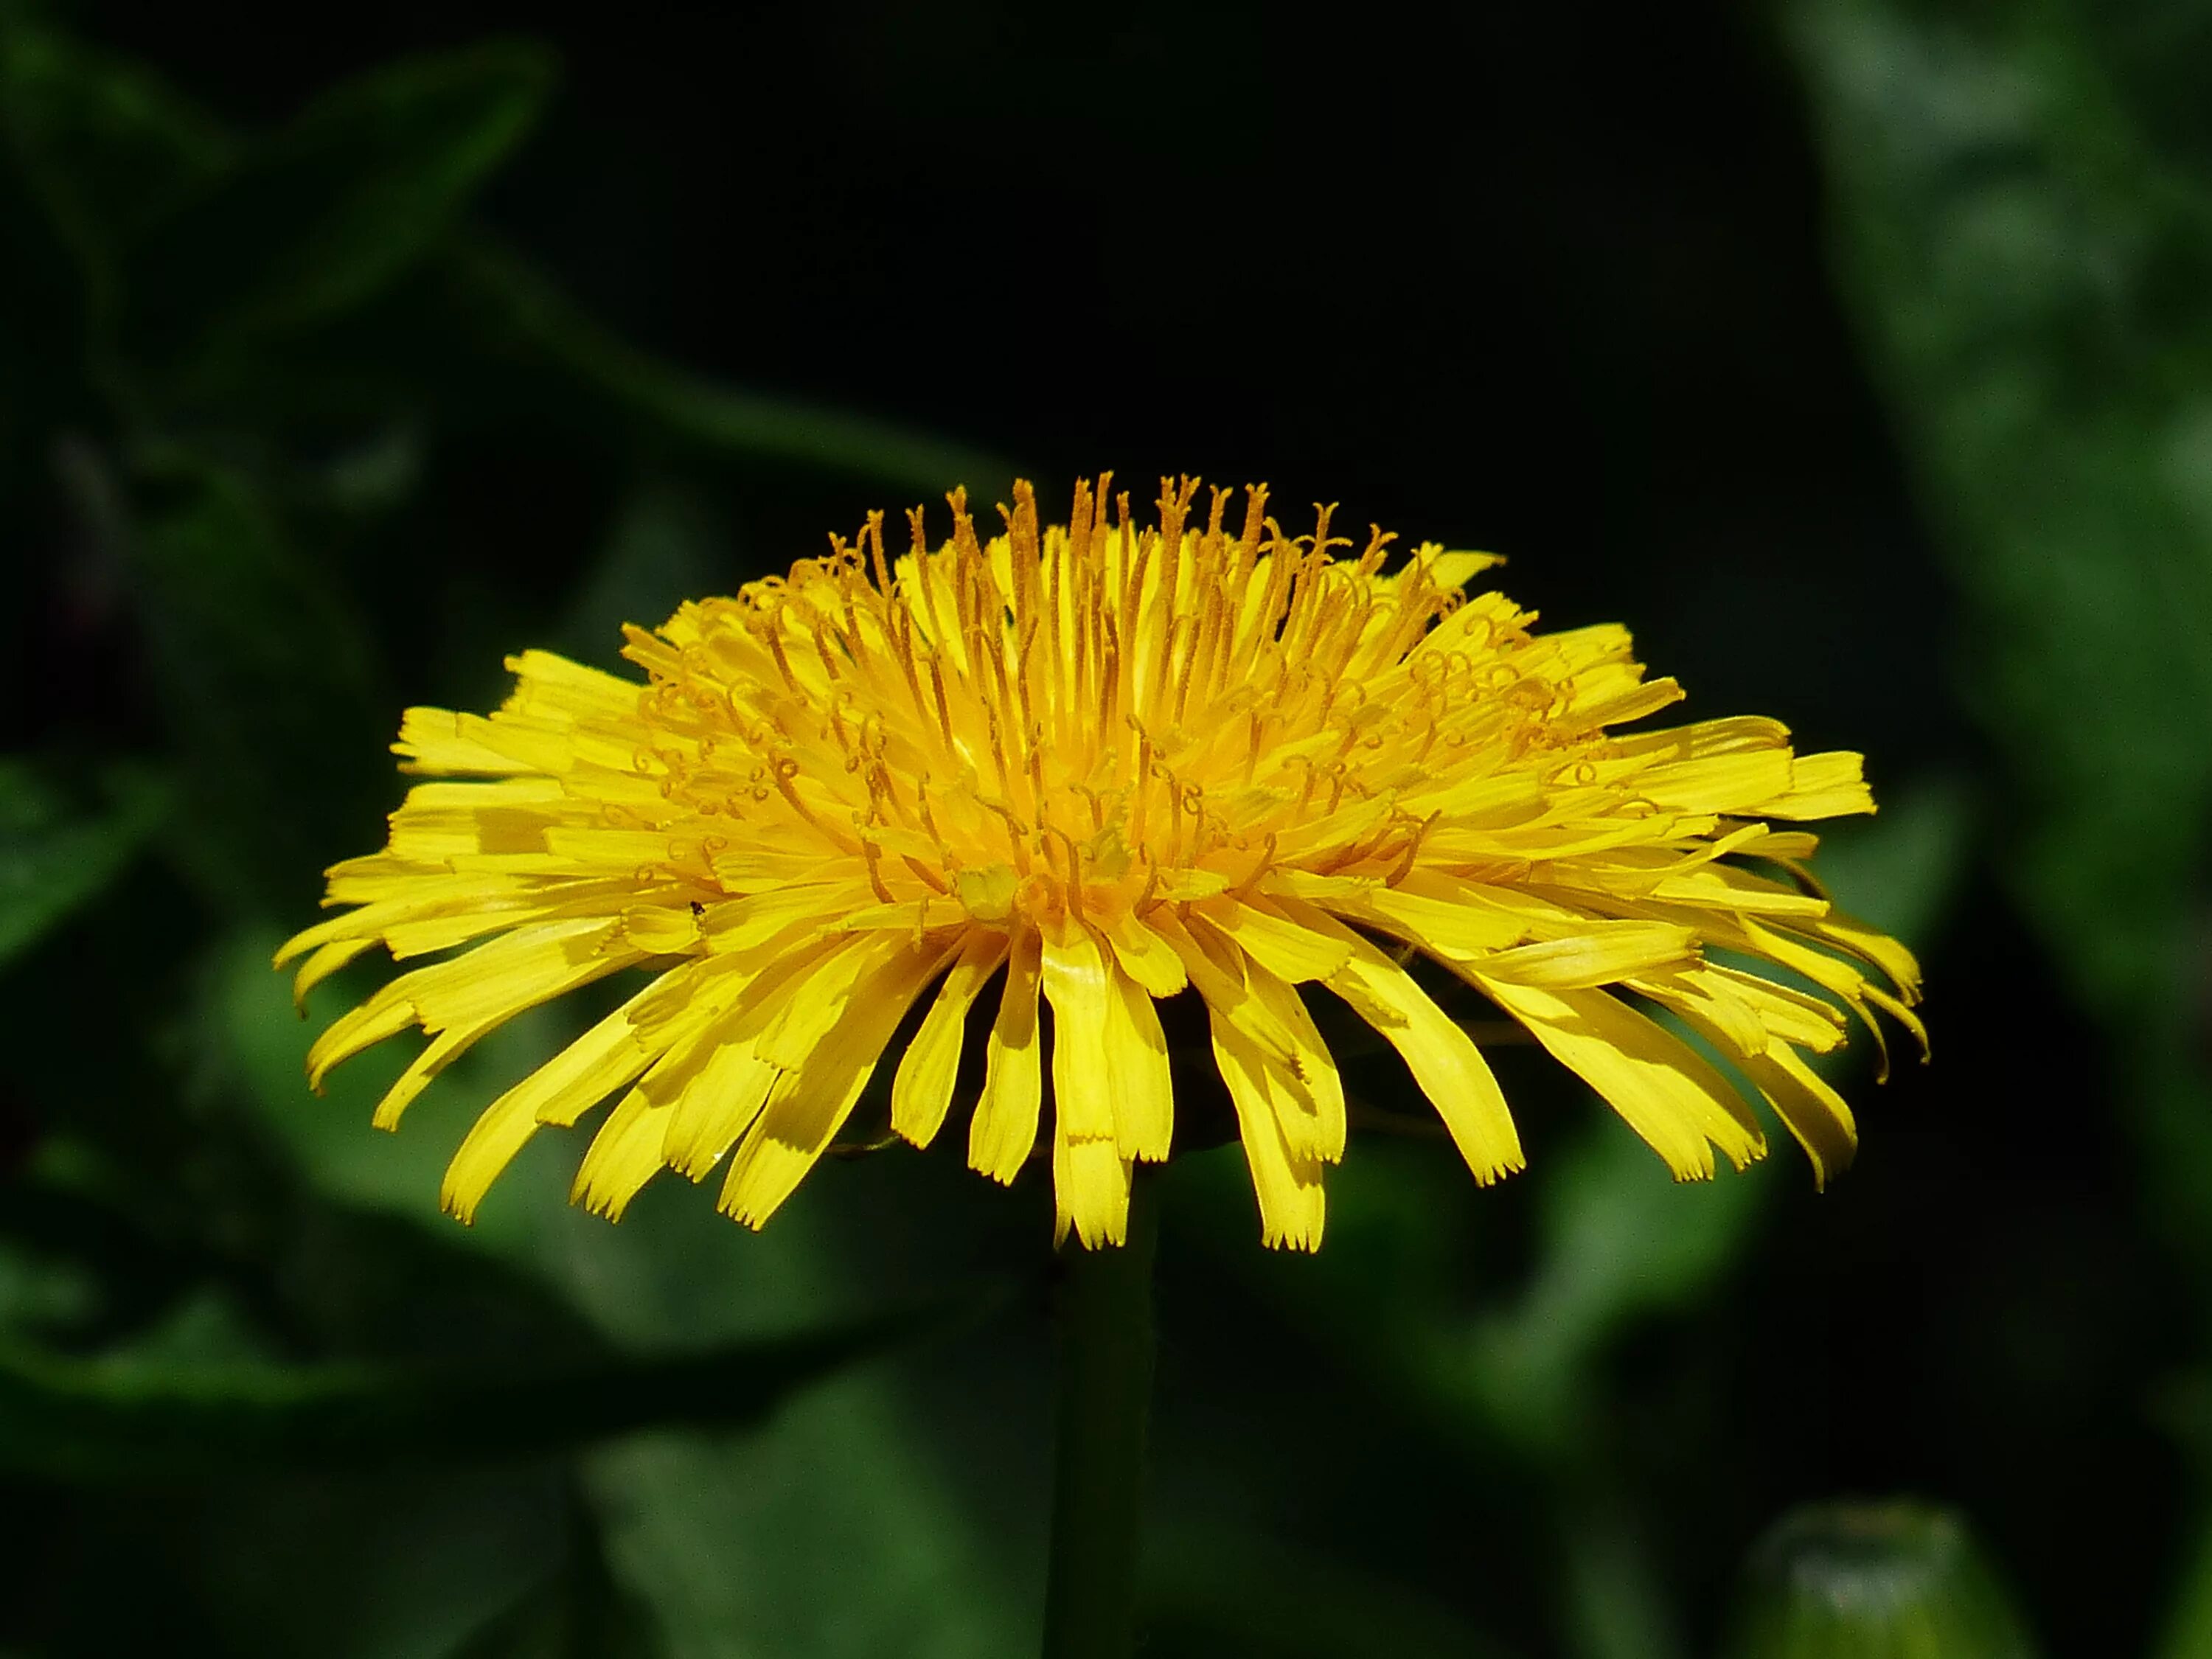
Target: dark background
<point>1859,355</point>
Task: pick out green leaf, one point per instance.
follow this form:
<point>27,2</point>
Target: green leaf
<point>54,859</point>
<point>91,1416</point>
<point>329,212</point>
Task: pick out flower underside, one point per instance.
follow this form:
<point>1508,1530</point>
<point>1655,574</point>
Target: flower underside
<point>1104,764</point>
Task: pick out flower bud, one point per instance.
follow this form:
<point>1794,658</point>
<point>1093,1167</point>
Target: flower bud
<point>1895,1580</point>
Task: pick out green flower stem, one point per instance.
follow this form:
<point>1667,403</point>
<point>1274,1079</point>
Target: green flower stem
<point>1104,1312</point>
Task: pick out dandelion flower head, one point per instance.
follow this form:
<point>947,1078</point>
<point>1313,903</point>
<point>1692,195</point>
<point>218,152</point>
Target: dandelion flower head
<point>1091,767</point>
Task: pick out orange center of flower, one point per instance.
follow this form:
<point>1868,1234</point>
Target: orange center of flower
<point>1071,723</point>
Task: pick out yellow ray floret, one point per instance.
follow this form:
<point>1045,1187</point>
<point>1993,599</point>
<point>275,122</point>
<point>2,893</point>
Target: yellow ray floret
<point>1101,765</point>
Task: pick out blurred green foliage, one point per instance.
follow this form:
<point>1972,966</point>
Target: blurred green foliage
<point>253,383</point>
<point>2029,265</point>
<point>2022,220</point>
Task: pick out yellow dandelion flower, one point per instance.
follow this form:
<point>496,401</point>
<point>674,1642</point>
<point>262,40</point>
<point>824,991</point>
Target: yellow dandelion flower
<point>1101,765</point>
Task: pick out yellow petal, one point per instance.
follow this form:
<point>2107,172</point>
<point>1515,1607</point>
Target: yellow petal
<point>1312,1112</point>
<point>1816,1114</point>
<point>1146,957</point>
<point>1608,952</point>
<point>1004,1129</point>
<point>322,962</point>
<point>759,868</point>
<point>459,1001</point>
<point>716,1106</point>
<point>436,1055</point>
<point>550,684</point>
<point>1455,569</point>
<point>1186,885</point>
<point>1722,887</point>
<point>1504,796</point>
<point>661,929</point>
<point>1904,1016</point>
<point>433,740</point>
<point>1745,1012</point>
<point>1732,734</point>
<point>745,923</point>
<point>523,969</point>
<point>1667,1094</point>
<point>1870,944</point>
<point>411,887</point>
<point>807,1107</point>
<point>1843,978</point>
<point>623,1156</point>
<point>1143,1081</point>
<point>1725,1020</point>
<point>1280,944</point>
<point>574,1081</point>
<point>679,1009</point>
<point>1076,984</point>
<point>1617,693</point>
<point>1716,783</point>
<point>363,924</point>
<point>493,825</point>
<point>1444,920</point>
<point>1217,969</point>
<point>382,1015</point>
<point>1342,891</point>
<point>710,1076</point>
<point>527,745</point>
<point>517,970</point>
<point>919,915</point>
<point>1796,1017</point>
<point>791,1035</point>
<point>1091,1191</point>
<point>1822,787</point>
<point>1443,1059</point>
<point>471,994</point>
<point>922,1090</point>
<point>426,929</point>
<point>1833,975</point>
<point>1288,1186</point>
<point>1347,824</point>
